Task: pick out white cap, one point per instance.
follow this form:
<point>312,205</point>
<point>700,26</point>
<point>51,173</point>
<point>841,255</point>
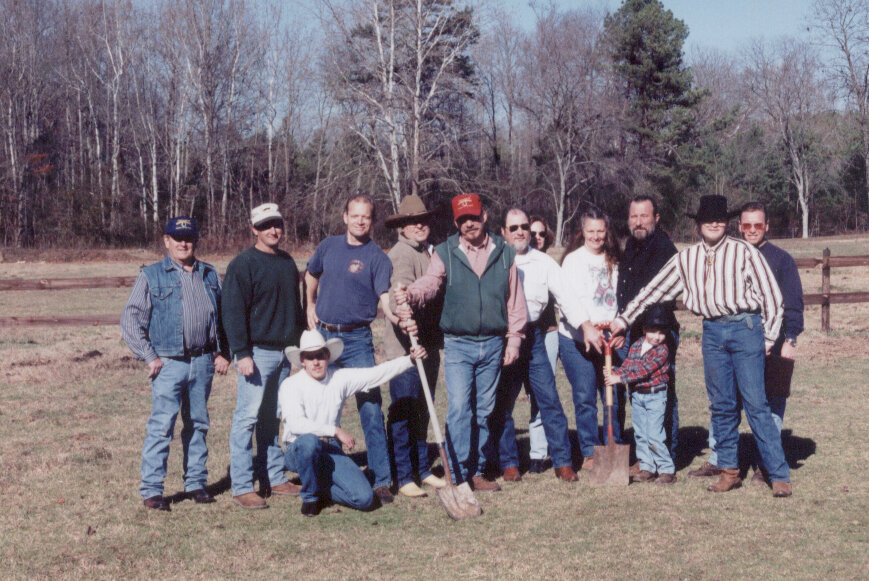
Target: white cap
<point>264,212</point>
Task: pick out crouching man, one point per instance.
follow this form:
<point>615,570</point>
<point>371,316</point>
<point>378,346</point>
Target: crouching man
<point>311,402</point>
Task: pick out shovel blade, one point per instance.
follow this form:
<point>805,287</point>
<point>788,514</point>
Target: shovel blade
<point>611,465</point>
<point>459,501</point>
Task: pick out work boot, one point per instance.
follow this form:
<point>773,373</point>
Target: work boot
<point>587,463</point>
<point>384,494</point>
<point>728,480</point>
<point>757,479</point>
<point>566,473</point>
<point>537,466</point>
<point>634,469</point>
<point>665,479</point>
<point>512,474</point>
<point>157,503</point>
<point>781,489</point>
<point>249,500</point>
<point>705,471</point>
<point>311,508</point>
<point>286,489</point>
<point>411,490</point>
<point>642,476</point>
<point>481,484</point>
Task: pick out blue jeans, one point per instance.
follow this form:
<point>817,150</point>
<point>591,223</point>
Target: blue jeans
<point>536,433</point>
<point>471,370</point>
<point>359,352</point>
<point>777,406</point>
<point>407,423</point>
<point>671,415</point>
<point>325,470</point>
<point>184,385</point>
<point>733,363</point>
<point>648,411</point>
<point>256,410</point>
<point>584,370</point>
<point>532,368</point>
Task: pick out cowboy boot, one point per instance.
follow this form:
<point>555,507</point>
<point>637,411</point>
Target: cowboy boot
<point>728,480</point>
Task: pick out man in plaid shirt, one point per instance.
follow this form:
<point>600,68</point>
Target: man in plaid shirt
<point>646,371</point>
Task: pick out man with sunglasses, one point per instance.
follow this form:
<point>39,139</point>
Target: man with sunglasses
<point>647,250</point>
<point>262,312</point>
<point>172,323</point>
<point>541,281</point>
<point>483,319</point>
<point>311,402</point>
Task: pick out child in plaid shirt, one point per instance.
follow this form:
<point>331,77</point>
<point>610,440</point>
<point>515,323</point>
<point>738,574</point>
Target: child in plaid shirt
<point>646,371</point>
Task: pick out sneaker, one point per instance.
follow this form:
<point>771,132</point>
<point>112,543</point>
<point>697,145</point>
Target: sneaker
<point>383,493</point>
<point>434,481</point>
<point>411,490</point>
<point>250,500</point>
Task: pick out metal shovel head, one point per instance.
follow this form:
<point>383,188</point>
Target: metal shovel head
<point>459,501</point>
<point>611,465</point>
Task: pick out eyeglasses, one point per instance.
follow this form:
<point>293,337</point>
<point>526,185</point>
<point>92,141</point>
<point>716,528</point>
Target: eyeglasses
<point>515,227</point>
<point>541,234</point>
<point>279,224</point>
<point>321,354</point>
<point>746,227</point>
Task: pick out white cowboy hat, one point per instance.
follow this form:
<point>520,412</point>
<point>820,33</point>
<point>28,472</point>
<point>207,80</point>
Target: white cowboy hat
<point>313,341</point>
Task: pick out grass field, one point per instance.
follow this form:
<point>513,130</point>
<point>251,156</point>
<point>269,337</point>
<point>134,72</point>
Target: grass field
<point>73,406</point>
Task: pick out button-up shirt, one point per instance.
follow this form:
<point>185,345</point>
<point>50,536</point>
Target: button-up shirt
<point>540,276</point>
<point>726,279</point>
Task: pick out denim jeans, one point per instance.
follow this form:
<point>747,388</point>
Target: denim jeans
<point>325,470</point>
<point>532,368</point>
<point>536,433</point>
<point>256,410</point>
<point>733,363</point>
<point>359,352</point>
<point>584,370</point>
<point>777,406</point>
<point>648,411</point>
<point>671,415</point>
<point>407,423</point>
<point>183,384</point>
<point>472,369</point>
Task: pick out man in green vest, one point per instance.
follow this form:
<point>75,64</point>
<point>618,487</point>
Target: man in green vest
<point>483,318</point>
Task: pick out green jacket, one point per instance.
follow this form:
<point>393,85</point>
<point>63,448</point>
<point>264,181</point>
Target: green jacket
<point>475,306</point>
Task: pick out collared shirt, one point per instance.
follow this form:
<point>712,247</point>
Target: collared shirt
<point>729,278</point>
<point>540,276</point>
<point>427,286</point>
<point>645,366</point>
<point>199,317</point>
<point>309,406</point>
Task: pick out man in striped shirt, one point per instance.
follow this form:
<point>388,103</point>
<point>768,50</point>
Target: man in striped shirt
<point>729,284</point>
<point>172,323</point>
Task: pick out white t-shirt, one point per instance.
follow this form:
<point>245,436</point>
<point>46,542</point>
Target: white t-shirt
<point>589,288</point>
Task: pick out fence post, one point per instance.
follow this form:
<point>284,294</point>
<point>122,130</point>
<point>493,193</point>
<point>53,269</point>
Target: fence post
<point>825,290</point>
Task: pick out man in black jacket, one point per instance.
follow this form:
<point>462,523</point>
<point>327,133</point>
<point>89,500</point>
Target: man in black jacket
<point>646,251</point>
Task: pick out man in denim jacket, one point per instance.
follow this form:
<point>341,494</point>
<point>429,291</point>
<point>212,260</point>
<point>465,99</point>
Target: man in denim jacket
<point>172,323</point>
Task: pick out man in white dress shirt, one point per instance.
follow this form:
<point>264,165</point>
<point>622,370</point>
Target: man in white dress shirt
<point>311,402</point>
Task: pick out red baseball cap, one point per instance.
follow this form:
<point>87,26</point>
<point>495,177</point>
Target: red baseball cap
<point>466,205</point>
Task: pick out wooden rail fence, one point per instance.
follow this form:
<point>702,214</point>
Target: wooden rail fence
<point>825,298</point>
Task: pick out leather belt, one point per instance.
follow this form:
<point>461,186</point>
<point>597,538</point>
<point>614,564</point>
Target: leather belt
<point>339,328</point>
<point>649,390</point>
<point>198,352</point>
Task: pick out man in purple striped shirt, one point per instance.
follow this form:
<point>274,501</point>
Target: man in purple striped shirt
<point>729,284</point>
<point>172,323</point>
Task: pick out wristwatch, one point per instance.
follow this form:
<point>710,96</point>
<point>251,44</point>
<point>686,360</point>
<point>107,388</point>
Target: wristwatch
<point>792,341</point>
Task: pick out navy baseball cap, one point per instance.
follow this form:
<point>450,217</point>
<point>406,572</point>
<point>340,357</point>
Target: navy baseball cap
<point>182,226</point>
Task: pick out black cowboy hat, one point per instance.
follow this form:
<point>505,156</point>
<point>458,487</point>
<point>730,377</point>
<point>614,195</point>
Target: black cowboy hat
<point>659,316</point>
<point>713,208</point>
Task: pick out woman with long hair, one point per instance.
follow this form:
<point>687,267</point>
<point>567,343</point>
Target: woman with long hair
<point>590,270</point>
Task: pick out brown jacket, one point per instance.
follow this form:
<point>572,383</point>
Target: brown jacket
<point>409,262</point>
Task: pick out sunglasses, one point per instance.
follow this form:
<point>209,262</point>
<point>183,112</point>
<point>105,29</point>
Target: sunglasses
<point>279,224</point>
<point>745,227</point>
<point>184,238</point>
<point>321,354</point>
<point>515,227</point>
<point>538,234</point>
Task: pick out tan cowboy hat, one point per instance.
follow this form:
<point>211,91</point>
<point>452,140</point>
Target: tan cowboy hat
<point>311,342</point>
<point>410,207</point>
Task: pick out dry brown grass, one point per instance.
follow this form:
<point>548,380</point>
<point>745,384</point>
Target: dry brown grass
<point>72,422</point>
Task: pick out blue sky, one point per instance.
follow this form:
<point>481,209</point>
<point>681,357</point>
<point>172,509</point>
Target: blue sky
<point>721,24</point>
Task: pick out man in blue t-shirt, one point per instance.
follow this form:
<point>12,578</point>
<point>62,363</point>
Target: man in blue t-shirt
<point>346,278</point>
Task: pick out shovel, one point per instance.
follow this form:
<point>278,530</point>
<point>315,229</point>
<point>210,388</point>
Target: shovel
<point>611,462</point>
<point>459,501</point>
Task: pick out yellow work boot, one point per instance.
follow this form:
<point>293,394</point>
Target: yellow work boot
<point>411,490</point>
<point>434,481</point>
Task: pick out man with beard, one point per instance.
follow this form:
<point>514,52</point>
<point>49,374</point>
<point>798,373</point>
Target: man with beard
<point>483,317</point>
<point>647,249</point>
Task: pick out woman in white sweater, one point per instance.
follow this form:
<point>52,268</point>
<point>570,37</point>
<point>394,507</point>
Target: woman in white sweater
<point>590,272</point>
